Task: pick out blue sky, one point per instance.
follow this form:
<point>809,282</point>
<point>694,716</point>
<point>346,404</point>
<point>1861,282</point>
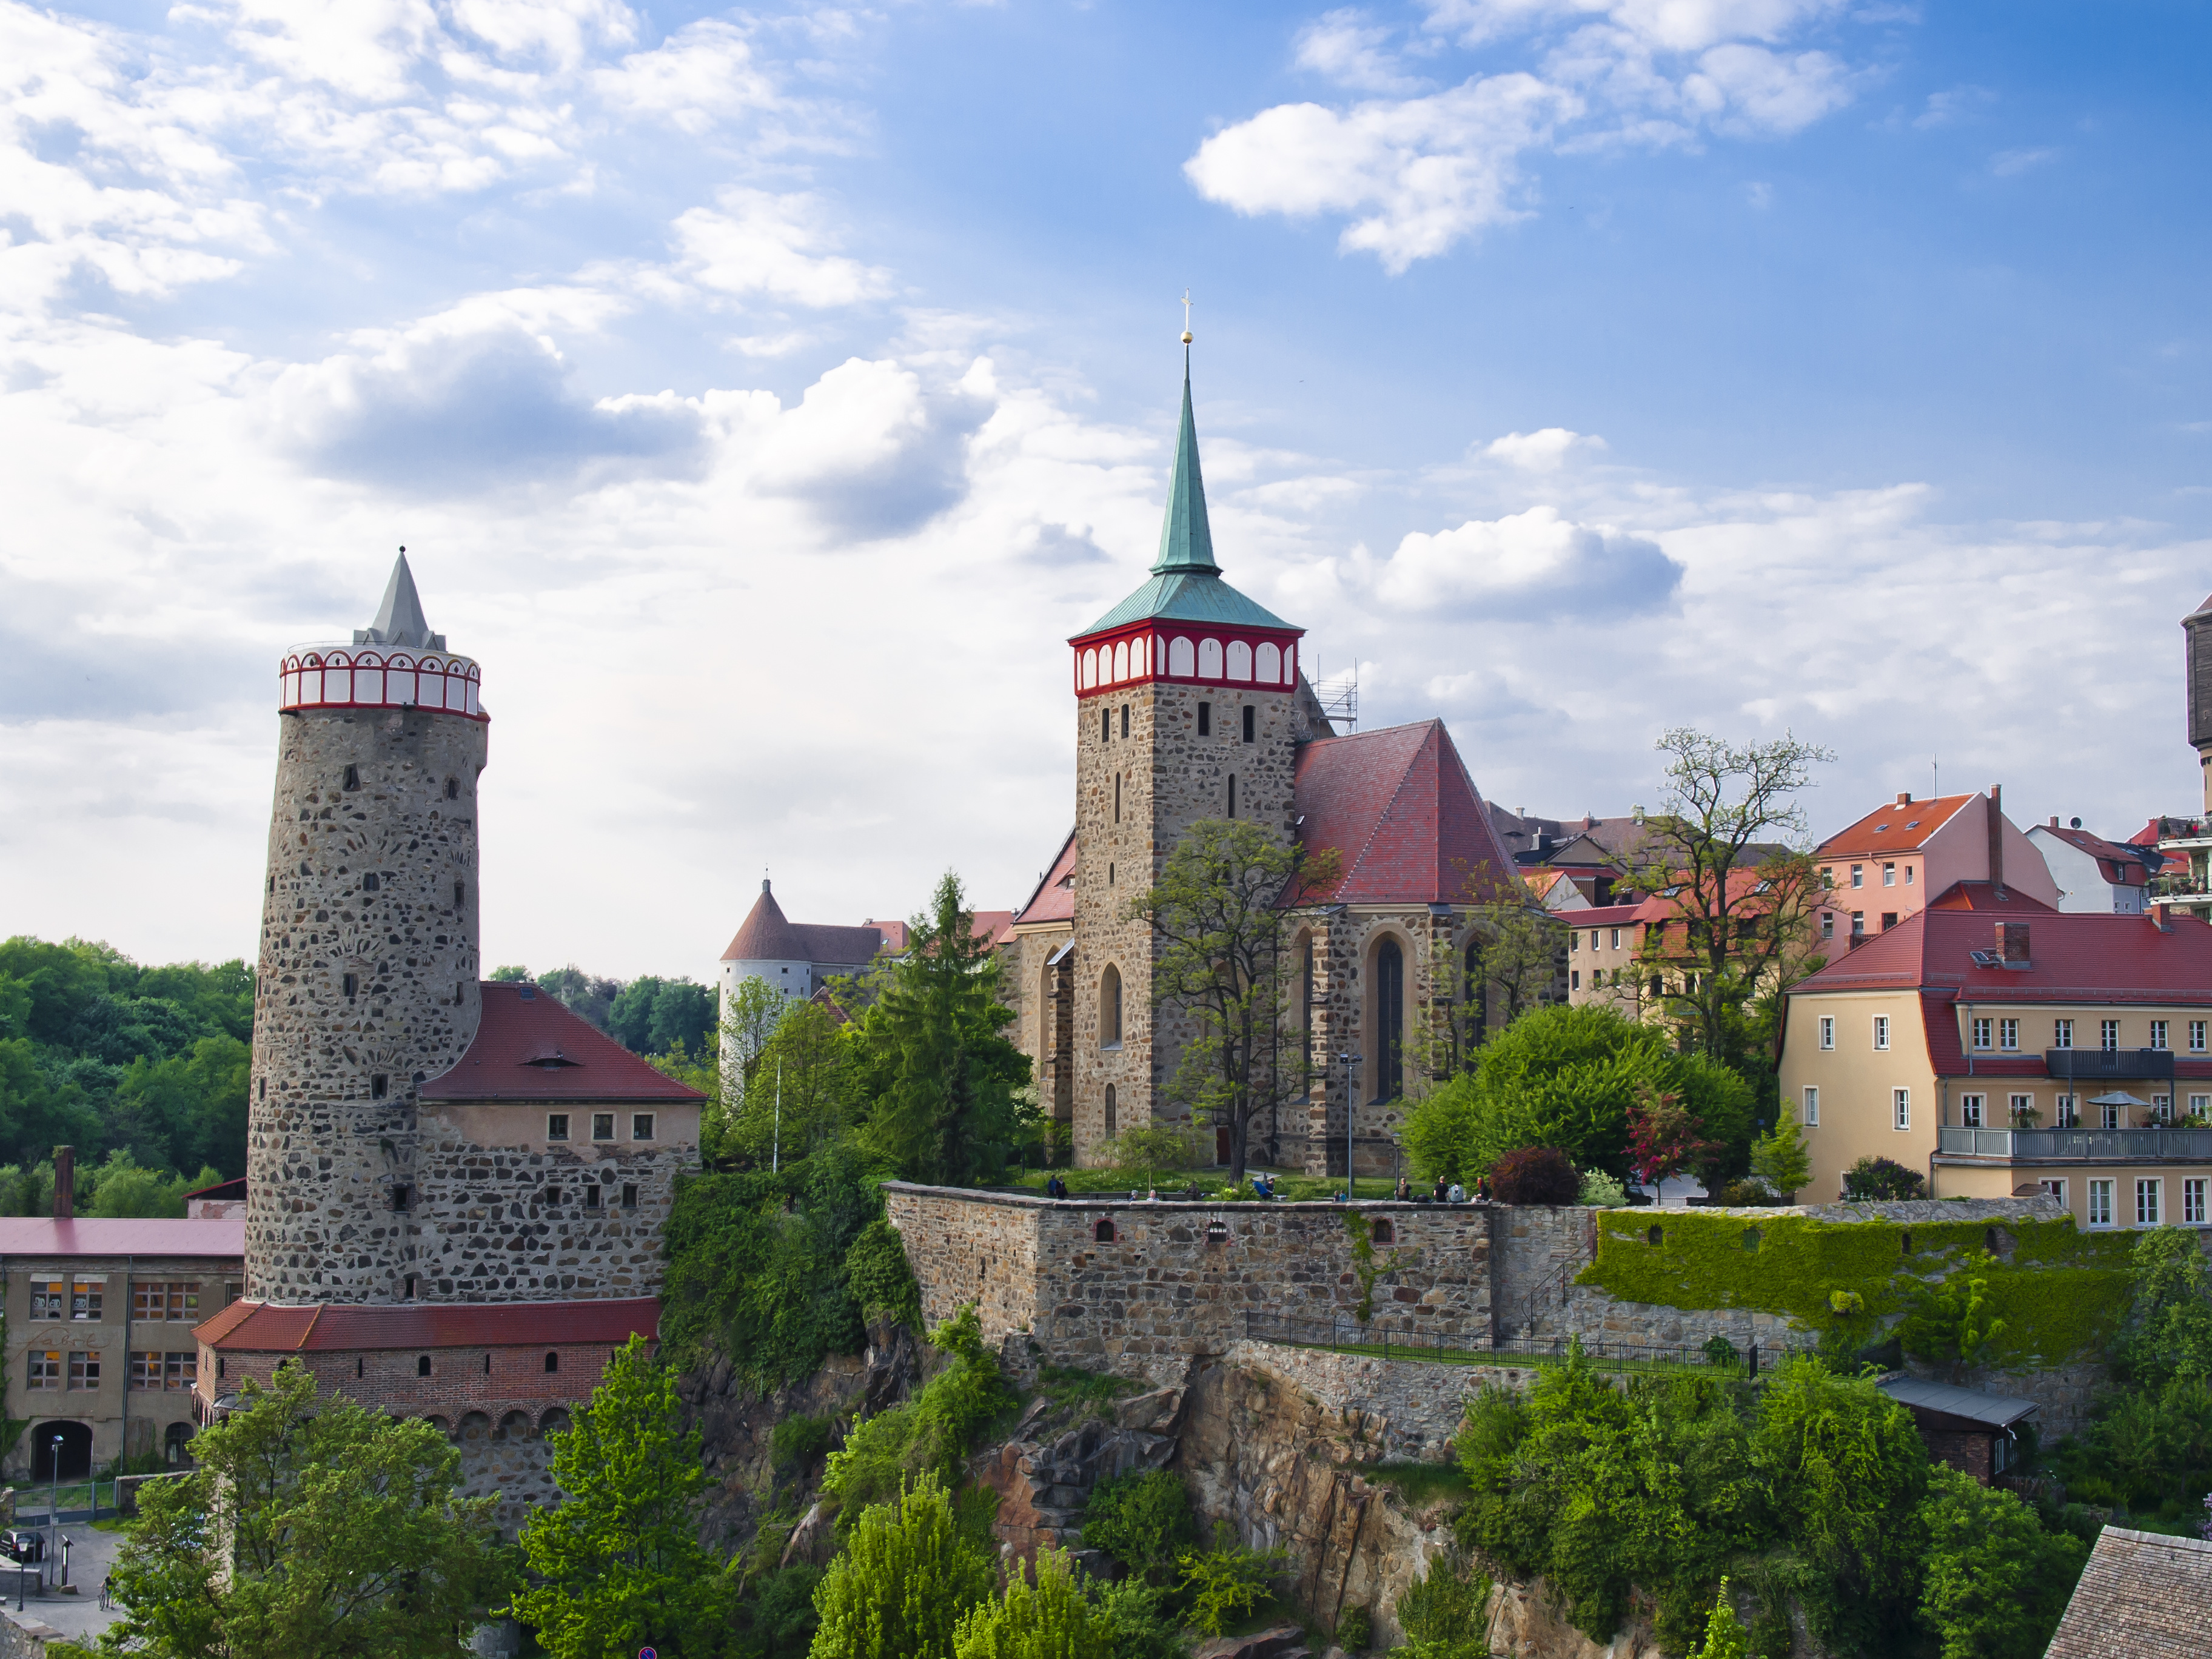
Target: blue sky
<point>765,395</point>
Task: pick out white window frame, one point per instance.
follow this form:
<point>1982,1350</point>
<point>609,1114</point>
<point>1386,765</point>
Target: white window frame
<point>2197,1036</point>
<point>2108,1116</point>
<point>1972,1109</point>
<point>2066,1112</point>
<point>1889,875</point>
<point>2108,1037</point>
<point>2007,1036</point>
<point>1812,1117</point>
<point>1827,924</point>
<point>2200,1105</point>
<point>2102,1197</point>
<point>1882,1031</point>
<point>2061,1034</point>
<point>1827,1031</point>
<point>1900,1108</point>
<point>1574,979</point>
<point>2054,1187</point>
<point>2017,1104</point>
<point>2163,1105</point>
<point>1858,875</point>
<point>1908,875</point>
<point>1983,1029</point>
<point>1616,939</point>
<point>2192,1201</point>
<point>2157,1032</point>
<point>2150,1201</point>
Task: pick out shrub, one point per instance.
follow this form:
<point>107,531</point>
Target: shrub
<point>1135,1626</point>
<point>1051,1620</point>
<point>1880,1178</point>
<point>900,1587</point>
<point>1534,1174</point>
<point>1996,1583</point>
<point>1746,1195</point>
<point>1355,1629</point>
<point>1227,1579</point>
<point>1141,1520</point>
<point>1445,1612</point>
<point>880,1277</point>
<point>1601,1191</point>
<point>929,1434</point>
<point>797,1441</point>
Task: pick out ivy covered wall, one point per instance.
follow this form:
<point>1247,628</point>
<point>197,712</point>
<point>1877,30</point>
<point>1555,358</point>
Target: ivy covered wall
<point>2061,1293</point>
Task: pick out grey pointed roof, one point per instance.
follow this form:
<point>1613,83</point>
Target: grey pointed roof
<point>399,619</point>
<point>1186,584</point>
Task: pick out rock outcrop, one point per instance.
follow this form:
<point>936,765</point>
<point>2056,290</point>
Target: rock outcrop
<point>1044,1471</point>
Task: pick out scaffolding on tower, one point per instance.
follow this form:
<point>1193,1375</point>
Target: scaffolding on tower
<point>1339,696</point>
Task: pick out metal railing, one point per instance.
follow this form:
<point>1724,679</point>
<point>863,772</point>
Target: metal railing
<point>2091,1065</point>
<point>2106,1146</point>
<point>1344,1334</point>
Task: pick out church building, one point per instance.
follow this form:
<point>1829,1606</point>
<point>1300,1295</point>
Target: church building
<point>1191,704</point>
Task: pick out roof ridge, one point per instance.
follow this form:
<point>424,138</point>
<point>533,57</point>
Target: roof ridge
<point>310,1328</point>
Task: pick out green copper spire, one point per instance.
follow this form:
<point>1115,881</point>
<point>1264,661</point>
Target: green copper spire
<point>1186,539</point>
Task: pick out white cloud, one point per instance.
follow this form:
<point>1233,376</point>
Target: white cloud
<point>1544,451</point>
<point>763,244</point>
<point>2011,163</point>
<point>1421,173</point>
<point>1531,560</point>
<point>1752,90</point>
<point>1352,50</point>
<point>702,75</point>
<point>1670,25</point>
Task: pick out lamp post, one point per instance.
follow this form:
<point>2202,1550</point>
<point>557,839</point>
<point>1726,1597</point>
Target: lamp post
<point>53,1499</point>
<point>1351,1105</point>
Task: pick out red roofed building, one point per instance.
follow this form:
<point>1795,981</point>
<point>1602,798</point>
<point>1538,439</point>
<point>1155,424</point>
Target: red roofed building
<point>1191,706</point>
<point>2000,1047</point>
<point>1884,867</point>
<point>2094,876</point>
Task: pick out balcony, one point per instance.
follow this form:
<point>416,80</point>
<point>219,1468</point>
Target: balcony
<point>2103,1065</point>
<point>2188,1146</point>
<point>2180,833</point>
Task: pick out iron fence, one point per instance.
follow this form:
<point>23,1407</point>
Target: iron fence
<point>1342,1333</point>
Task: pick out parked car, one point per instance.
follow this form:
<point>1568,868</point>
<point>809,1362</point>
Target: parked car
<point>25,1549</point>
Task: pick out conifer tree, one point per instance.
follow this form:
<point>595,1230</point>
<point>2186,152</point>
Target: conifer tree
<point>1778,1157</point>
<point>900,1586</point>
<point>1052,1619</point>
<point>620,1563</point>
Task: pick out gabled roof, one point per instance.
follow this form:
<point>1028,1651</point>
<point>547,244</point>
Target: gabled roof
<point>2120,863</point>
<point>1399,807</point>
<point>38,1235</point>
<point>529,1047</point>
<point>2073,956</point>
<point>1053,899</point>
<point>1904,827</point>
<point>2142,1595</point>
<point>1186,584</point>
<point>266,1327</point>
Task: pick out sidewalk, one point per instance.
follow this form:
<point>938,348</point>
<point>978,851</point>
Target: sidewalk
<point>77,1617</point>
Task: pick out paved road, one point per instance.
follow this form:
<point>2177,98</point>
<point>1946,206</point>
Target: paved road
<point>79,1616</point>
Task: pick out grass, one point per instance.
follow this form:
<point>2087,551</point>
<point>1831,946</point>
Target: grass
<point>1603,1362</point>
<point>1067,1385</point>
<point>1421,1483</point>
<point>1289,1184</point>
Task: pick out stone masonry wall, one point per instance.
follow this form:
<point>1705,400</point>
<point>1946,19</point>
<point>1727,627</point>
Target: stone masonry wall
<point>1177,1280</point>
<point>498,1224</point>
<point>326,1140</point>
<point>1169,778</point>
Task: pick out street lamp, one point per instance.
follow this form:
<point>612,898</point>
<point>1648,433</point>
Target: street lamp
<point>1351,1105</point>
<point>53,1501</point>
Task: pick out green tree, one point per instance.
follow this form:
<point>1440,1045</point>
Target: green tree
<point>1779,1158</point>
<point>1724,1637</point>
<point>899,1587</point>
<point>807,1085</point>
<point>1217,911</point>
<point>1995,1583</point>
<point>928,1435</point>
<point>1955,1321</point>
<point>619,1565</point>
<point>1152,1149</point>
<point>943,1071</point>
<point>309,1526</point>
<point>1141,1518</point>
<point>2170,1322</point>
<point>1743,902</point>
<point>590,996</point>
<point>1227,1581</point>
<point>1052,1619</point>
<point>119,1187</point>
<point>1519,955</point>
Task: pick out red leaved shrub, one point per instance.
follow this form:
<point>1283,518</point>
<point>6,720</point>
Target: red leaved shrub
<point>1534,1174</point>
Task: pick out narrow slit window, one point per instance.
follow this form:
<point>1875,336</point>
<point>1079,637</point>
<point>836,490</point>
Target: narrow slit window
<point>379,1084</point>
<point>1206,720</point>
<point>552,1364</point>
<point>1251,723</point>
<point>1105,726</point>
<point>453,788</point>
<point>1125,719</point>
<point>351,984</point>
<point>422,1364</point>
<point>1232,794</point>
<point>460,895</point>
<point>371,882</point>
<point>353,777</point>
<point>591,1195</point>
<point>629,1195</point>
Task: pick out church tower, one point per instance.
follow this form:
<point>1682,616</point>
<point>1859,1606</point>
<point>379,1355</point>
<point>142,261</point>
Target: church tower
<point>2196,628</point>
<point>1186,708</point>
<point>368,965</point>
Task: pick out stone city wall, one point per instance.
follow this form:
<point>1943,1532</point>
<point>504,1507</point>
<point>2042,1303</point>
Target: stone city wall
<point>1170,1279</point>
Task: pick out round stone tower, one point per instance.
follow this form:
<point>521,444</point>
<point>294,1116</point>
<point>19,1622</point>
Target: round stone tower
<point>368,968</point>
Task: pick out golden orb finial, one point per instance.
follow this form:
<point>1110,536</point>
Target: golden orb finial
<point>1186,317</point>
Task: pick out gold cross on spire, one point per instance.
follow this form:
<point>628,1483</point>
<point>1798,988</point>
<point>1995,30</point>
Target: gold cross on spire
<point>1186,316</point>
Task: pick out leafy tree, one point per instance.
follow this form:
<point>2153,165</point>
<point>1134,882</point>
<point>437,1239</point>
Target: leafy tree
<point>1227,1581</point>
<point>1217,911</point>
<point>1665,1137</point>
<point>1152,1149</point>
<point>1141,1518</point>
<point>928,1435</point>
<point>309,1526</point>
<point>1052,1619</point>
<point>1996,1583</point>
<point>900,1585</point>
<point>512,973</point>
<point>1520,953</point>
<point>1744,902</point>
<point>619,1565</point>
<point>1779,1158</point>
<point>807,1090</point>
<point>880,1277</point>
<point>654,1015</point>
<point>2170,1323</point>
<point>942,1071</point>
<point>1534,1174</point>
<point>590,996</point>
<point>1724,1634</point>
<point>119,1187</point>
<point>1876,1178</point>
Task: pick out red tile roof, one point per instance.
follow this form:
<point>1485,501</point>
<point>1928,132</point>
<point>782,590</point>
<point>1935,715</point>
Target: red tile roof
<point>765,936</point>
<point>992,926</point>
<point>528,1047</point>
<point>1605,915</point>
<point>2121,863</point>
<point>2072,957</point>
<point>1398,806</point>
<point>264,1328</point>
<point>1987,895</point>
<point>33,1235</point>
<point>1903,828</point>
<point>1053,899</point>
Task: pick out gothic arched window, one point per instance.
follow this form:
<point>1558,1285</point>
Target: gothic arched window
<point>1109,1008</point>
<point>1271,666</point>
<point>1390,1021</point>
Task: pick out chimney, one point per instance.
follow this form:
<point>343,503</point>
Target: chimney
<point>2054,820</point>
<point>1997,836</point>
<point>1904,798</point>
<point>2012,942</point>
<point>64,1183</point>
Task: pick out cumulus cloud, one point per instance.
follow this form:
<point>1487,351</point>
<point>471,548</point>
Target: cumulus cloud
<point>1534,561</point>
<point>762,244</point>
<point>1418,172</point>
<point>701,76</point>
<point>870,449</point>
<point>1544,451</point>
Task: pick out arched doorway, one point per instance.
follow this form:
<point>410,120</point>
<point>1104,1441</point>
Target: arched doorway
<point>71,1461</point>
<point>176,1446</point>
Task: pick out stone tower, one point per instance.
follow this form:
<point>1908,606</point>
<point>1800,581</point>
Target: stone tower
<point>1186,708</point>
<point>2196,628</point>
<point>369,967</point>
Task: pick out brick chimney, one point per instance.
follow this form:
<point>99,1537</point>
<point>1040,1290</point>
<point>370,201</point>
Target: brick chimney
<point>1904,798</point>
<point>1997,836</point>
<point>64,1183</point>
<point>2012,942</point>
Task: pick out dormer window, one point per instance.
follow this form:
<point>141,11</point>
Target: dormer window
<point>551,1060</point>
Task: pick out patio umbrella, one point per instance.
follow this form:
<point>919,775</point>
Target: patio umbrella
<point>2118,1097</point>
